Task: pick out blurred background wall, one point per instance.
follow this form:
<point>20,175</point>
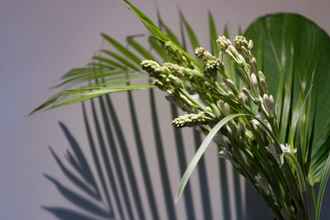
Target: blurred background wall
<point>41,39</point>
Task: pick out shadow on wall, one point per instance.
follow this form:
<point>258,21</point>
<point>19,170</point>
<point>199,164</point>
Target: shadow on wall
<point>100,190</point>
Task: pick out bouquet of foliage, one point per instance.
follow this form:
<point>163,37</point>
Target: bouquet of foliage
<point>260,96</point>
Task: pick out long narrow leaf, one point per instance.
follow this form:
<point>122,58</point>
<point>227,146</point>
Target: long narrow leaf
<point>213,35</point>
<point>190,32</point>
<point>72,96</point>
<point>157,47</point>
<point>127,53</point>
<point>201,150</point>
<point>139,48</point>
<point>122,59</point>
<point>160,35</point>
<point>109,62</point>
<point>164,27</point>
<point>148,23</point>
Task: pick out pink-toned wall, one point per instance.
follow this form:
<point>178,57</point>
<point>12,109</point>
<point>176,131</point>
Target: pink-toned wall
<point>41,39</point>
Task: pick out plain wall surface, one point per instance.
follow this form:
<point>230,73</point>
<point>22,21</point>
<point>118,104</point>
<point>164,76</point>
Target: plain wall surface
<point>41,39</point>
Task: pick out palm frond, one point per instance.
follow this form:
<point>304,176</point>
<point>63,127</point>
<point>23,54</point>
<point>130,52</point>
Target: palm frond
<point>295,62</point>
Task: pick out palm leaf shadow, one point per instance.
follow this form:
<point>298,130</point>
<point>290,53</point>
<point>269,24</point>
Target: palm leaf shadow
<point>101,180</point>
<point>89,198</point>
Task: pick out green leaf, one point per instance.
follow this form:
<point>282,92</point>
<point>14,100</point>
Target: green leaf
<point>164,27</point>
<point>291,48</point>
<point>226,31</point>
<point>74,72</point>
<point>108,62</point>
<point>201,150</point>
<point>76,95</point>
<point>213,35</point>
<point>157,47</point>
<point>148,23</point>
<point>160,35</point>
<point>127,53</point>
<point>122,59</point>
<point>190,32</point>
<point>111,77</point>
<point>139,48</point>
<point>83,94</point>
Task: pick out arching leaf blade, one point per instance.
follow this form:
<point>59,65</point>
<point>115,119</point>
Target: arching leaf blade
<point>194,42</point>
<point>201,150</point>
<point>121,48</point>
<point>213,34</point>
<point>132,42</point>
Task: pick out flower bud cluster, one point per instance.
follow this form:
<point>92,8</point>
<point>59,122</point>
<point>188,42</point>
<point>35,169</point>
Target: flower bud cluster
<point>243,45</point>
<point>208,93</point>
<point>219,95</point>
<point>176,80</point>
<point>162,76</point>
<point>268,104</point>
<point>212,65</point>
<point>189,120</point>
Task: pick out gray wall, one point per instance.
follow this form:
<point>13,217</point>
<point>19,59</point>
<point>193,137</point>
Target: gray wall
<point>41,39</point>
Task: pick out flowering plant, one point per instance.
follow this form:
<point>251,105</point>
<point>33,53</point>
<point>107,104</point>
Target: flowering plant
<point>272,129</point>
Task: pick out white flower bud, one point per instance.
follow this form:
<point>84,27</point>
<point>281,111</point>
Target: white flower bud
<point>203,54</point>
<point>199,51</point>
<point>191,120</point>
<point>262,81</point>
<point>150,66</point>
<point>261,75</point>
<point>254,80</point>
<point>248,94</point>
<point>268,102</point>
<point>243,97</point>
<point>250,45</point>
<point>255,124</point>
<point>253,60</point>
<point>231,85</point>
<point>286,149</point>
<point>223,42</point>
<point>226,109</point>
